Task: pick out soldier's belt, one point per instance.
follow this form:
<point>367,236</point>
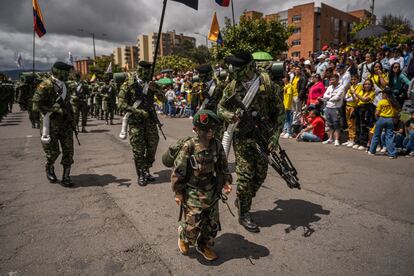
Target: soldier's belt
<point>205,183</point>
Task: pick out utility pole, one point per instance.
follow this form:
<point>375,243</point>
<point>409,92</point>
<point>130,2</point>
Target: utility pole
<point>372,12</point>
<point>93,42</point>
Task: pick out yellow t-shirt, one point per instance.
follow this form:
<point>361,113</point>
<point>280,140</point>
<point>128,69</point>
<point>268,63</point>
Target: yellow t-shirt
<point>295,86</point>
<point>386,109</point>
<point>358,90</point>
<point>288,96</point>
<point>376,80</point>
<point>369,94</point>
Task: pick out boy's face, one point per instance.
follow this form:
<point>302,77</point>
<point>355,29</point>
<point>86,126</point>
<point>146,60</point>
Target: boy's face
<point>206,134</point>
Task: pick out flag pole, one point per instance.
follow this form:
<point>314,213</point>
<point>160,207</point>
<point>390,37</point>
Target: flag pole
<point>34,39</point>
<point>158,41</point>
<point>232,12</point>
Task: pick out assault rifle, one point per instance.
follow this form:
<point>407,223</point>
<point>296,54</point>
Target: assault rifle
<point>255,126</point>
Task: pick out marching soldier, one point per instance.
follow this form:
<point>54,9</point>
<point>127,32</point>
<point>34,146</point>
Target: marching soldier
<point>79,93</point>
<point>52,99</point>
<point>135,98</point>
<point>251,168</point>
<point>108,92</point>
<point>198,187</point>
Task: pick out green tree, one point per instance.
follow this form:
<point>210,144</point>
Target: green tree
<point>253,35</point>
<point>174,62</point>
<point>396,22</point>
<point>200,54</point>
<point>395,36</point>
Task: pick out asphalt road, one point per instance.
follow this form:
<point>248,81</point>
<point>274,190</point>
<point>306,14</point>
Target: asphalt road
<point>354,215</point>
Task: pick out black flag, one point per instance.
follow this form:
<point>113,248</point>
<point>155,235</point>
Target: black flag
<point>191,3</point>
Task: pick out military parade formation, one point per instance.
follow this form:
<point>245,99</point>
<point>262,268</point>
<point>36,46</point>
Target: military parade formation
<point>59,103</point>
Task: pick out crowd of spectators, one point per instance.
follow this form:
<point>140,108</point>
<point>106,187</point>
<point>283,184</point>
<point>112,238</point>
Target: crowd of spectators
<point>353,97</point>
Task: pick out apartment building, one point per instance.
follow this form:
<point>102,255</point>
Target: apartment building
<point>126,57</point>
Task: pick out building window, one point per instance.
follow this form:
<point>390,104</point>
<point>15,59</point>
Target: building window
<point>296,18</point>
<point>296,54</point>
<point>296,30</point>
<point>284,22</point>
<point>296,42</point>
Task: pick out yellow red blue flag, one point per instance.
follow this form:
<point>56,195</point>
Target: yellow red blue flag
<point>38,23</point>
<point>215,34</point>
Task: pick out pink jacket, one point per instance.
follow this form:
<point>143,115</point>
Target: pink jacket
<point>315,92</point>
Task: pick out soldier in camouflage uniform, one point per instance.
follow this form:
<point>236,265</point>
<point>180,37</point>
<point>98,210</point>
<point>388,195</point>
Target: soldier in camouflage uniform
<point>143,132</point>
<point>48,98</point>
<point>209,82</point>
<point>251,168</point>
<point>25,91</point>
<point>79,94</point>
<point>97,100</point>
<point>198,186</point>
<point>108,93</point>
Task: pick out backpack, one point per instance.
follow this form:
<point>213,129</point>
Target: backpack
<point>169,156</point>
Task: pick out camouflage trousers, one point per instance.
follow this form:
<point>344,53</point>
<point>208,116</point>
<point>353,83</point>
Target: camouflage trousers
<point>34,117</point>
<point>80,109</point>
<point>200,225</point>
<point>251,171</point>
<point>64,137</point>
<point>144,142</point>
<point>109,110</point>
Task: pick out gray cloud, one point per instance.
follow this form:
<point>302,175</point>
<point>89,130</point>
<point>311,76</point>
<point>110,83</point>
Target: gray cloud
<point>123,20</point>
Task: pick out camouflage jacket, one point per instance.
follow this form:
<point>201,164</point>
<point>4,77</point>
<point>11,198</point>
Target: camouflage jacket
<point>131,92</point>
<point>268,102</point>
<point>45,98</point>
<point>197,170</point>
<point>79,91</point>
<point>108,92</point>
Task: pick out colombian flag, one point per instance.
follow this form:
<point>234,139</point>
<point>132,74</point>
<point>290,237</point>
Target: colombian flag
<point>38,23</point>
<point>215,34</point>
<point>223,3</point>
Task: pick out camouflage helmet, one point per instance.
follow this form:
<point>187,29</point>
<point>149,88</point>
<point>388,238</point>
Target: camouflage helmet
<point>205,119</point>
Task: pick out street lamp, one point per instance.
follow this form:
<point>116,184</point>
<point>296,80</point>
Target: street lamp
<point>93,40</point>
<point>197,33</point>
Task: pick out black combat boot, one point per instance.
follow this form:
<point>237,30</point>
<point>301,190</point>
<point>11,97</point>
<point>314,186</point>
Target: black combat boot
<point>148,176</point>
<point>142,180</point>
<point>50,173</point>
<point>246,221</point>
<point>111,122</point>
<point>66,180</point>
<point>84,130</point>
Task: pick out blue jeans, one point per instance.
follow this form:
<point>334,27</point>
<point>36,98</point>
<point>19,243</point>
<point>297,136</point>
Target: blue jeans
<point>387,125</point>
<point>171,108</point>
<point>409,142</point>
<point>398,140</point>
<point>287,128</point>
<point>310,137</point>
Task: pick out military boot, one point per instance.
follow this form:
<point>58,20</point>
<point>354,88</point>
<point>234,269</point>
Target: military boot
<point>207,252</point>
<point>246,221</point>
<point>148,176</point>
<point>183,247</point>
<point>84,130</point>
<point>142,180</point>
<point>50,173</point>
<point>111,122</point>
<point>66,180</point>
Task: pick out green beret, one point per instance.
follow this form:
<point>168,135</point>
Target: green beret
<point>205,119</point>
<point>239,59</point>
<point>62,66</point>
<point>145,64</point>
<point>204,69</point>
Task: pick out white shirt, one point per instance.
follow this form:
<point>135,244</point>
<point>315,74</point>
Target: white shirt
<point>170,95</point>
<point>366,68</point>
<point>399,60</point>
<point>334,96</point>
<point>345,79</point>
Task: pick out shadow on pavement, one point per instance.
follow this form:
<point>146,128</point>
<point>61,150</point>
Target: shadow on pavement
<point>163,176</point>
<point>231,246</point>
<point>293,212</point>
<point>98,130</point>
<point>89,180</point>
<point>8,124</point>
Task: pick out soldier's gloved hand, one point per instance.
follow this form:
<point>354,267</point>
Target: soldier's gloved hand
<point>178,199</point>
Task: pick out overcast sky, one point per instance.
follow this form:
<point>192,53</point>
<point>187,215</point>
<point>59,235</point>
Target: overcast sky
<point>118,22</point>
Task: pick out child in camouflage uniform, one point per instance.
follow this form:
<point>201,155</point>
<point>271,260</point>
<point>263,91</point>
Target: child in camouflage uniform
<point>200,174</point>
